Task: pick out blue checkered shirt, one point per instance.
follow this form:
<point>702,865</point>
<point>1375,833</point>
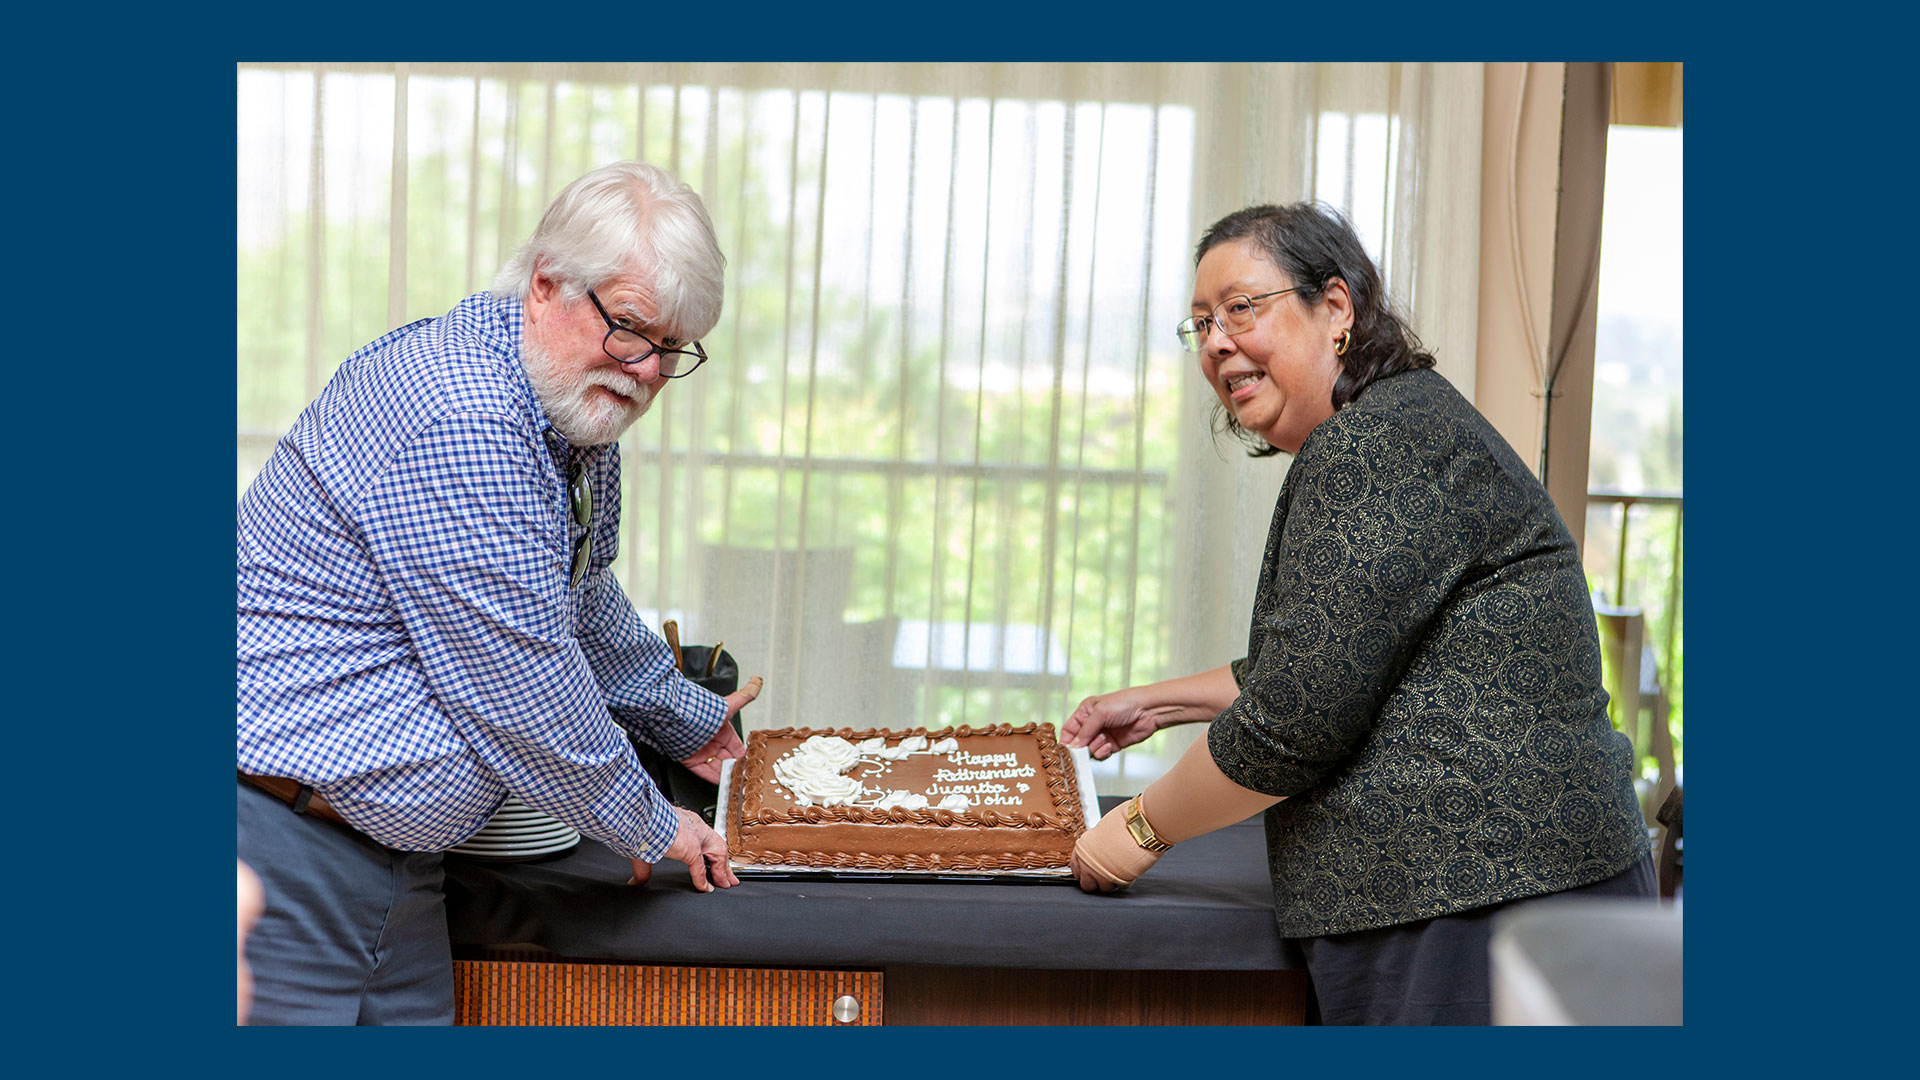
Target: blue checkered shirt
<point>408,641</point>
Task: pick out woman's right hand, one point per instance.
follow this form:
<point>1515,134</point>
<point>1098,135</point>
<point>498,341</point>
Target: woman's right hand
<point>1106,858</point>
<point>1107,723</point>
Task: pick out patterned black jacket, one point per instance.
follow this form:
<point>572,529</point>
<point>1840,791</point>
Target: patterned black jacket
<point>1422,678</point>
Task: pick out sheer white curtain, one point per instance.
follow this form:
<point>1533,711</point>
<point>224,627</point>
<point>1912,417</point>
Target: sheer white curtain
<point>948,464</point>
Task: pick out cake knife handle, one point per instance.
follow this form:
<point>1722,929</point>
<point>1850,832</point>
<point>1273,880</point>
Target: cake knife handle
<point>671,630</point>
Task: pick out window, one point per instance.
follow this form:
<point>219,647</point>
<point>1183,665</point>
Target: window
<point>946,400</point>
<point>1635,518</point>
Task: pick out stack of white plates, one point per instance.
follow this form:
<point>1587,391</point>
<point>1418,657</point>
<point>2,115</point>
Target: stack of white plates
<point>518,832</point>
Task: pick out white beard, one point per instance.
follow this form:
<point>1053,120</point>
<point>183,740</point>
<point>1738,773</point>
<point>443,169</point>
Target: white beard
<point>584,417</point>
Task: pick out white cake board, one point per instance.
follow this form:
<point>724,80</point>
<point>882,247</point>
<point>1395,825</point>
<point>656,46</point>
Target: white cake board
<point>1089,809</point>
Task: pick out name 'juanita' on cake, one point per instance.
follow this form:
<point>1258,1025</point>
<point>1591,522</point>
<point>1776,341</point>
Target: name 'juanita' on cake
<point>964,799</point>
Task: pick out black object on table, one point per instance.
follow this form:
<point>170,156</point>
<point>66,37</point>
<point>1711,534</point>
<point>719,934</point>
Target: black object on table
<point>1207,905</point>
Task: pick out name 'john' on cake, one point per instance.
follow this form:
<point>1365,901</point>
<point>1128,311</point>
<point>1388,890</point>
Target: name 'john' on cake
<point>988,799</point>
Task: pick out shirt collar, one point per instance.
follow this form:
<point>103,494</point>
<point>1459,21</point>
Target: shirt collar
<point>509,319</point>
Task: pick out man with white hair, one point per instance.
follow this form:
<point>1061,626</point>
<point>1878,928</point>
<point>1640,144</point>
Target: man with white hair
<point>426,619</point>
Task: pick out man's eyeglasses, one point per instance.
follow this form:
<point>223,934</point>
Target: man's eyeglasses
<point>1234,315</point>
<point>580,490</point>
<point>632,346</point>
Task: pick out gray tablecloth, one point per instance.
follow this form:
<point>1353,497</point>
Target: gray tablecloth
<point>1208,905</point>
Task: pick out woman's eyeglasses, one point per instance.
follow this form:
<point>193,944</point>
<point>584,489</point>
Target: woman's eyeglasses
<point>1234,315</point>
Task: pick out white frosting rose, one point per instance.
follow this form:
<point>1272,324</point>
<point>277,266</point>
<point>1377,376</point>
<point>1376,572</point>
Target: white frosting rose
<point>831,749</point>
<point>947,745</point>
<point>812,771</point>
<point>956,802</point>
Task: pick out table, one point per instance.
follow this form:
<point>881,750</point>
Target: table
<point>1192,942</point>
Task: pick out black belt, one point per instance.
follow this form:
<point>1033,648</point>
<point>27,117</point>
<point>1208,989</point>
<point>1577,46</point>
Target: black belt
<point>301,797</point>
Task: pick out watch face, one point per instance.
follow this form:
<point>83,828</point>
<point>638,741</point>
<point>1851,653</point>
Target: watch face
<point>1142,832</point>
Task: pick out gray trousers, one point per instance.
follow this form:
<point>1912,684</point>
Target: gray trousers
<point>352,932</point>
<point>1436,971</point>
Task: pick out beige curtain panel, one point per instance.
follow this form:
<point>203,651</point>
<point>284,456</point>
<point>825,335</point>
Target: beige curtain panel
<point>948,464</point>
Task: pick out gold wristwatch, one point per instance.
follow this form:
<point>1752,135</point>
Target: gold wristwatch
<point>1142,832</point>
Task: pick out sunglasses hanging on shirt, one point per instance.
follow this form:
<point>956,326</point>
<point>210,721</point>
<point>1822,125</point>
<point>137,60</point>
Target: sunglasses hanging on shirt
<point>580,491</point>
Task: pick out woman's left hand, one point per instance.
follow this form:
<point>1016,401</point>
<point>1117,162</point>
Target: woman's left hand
<point>1106,858</point>
<point>1107,723</point>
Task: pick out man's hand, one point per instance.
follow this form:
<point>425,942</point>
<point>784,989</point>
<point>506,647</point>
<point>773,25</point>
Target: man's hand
<point>705,762</point>
<point>703,850</point>
<point>251,903</point>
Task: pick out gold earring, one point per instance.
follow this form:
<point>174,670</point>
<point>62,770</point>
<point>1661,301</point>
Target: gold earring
<point>1340,343</point>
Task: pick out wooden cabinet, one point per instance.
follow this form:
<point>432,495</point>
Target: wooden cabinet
<point>518,992</point>
<point>518,987</point>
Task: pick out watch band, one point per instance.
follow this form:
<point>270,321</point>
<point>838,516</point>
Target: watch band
<point>1143,832</point>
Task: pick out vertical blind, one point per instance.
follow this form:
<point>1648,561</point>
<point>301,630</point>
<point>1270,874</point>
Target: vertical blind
<point>948,463</point>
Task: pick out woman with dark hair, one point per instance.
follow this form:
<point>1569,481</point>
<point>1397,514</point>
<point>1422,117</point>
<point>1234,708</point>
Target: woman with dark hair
<point>1419,713</point>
